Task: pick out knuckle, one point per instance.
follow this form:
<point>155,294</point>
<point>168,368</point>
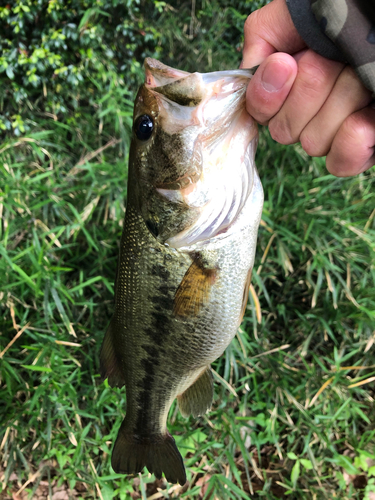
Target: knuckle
<point>261,118</point>
<point>351,86</point>
<point>312,145</point>
<point>257,26</point>
<point>354,134</point>
<point>251,22</point>
<point>352,147</point>
<point>333,166</point>
<point>312,77</point>
<point>352,81</point>
<point>259,105</point>
<point>280,131</point>
<point>350,78</point>
<point>356,138</point>
<point>355,128</point>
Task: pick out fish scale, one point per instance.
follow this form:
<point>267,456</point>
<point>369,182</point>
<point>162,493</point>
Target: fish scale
<point>180,288</point>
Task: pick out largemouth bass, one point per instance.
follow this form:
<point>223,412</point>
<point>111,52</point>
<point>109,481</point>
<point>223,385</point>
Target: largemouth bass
<point>193,208</point>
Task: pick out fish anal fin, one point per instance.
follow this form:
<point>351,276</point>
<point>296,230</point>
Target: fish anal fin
<point>109,363</point>
<point>197,399</point>
<point>158,453</point>
<point>194,290</point>
<point>245,295</point>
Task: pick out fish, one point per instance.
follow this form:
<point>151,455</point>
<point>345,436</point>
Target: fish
<point>194,204</point>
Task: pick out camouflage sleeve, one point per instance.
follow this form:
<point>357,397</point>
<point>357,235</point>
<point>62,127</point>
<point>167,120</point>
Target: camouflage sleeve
<point>343,30</point>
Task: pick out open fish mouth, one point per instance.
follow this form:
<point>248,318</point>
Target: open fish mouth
<point>189,89</point>
<point>207,111</point>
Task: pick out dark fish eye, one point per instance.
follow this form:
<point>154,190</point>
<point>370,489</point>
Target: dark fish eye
<point>143,127</point>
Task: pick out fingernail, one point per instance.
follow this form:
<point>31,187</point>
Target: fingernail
<point>274,77</point>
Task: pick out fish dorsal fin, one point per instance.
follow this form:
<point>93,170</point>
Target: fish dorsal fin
<point>194,290</point>
<point>197,399</point>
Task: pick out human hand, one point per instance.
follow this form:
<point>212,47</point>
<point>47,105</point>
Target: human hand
<point>305,97</point>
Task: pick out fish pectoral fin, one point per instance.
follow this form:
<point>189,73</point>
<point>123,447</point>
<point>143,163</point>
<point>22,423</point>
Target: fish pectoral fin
<point>109,364</point>
<point>197,399</point>
<point>194,290</point>
<point>158,453</point>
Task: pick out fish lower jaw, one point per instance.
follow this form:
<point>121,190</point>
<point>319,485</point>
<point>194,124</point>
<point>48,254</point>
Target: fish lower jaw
<point>218,238</point>
<point>247,219</point>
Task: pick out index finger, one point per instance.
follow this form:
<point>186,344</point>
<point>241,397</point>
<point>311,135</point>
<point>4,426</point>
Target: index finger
<point>268,30</point>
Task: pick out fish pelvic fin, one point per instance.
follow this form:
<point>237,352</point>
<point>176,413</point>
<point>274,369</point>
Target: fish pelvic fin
<point>245,295</point>
<point>109,363</point>
<point>197,399</point>
<point>158,453</point>
<point>194,290</point>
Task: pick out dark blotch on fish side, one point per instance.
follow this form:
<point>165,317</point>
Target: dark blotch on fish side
<point>152,227</point>
<point>163,302</point>
<point>165,289</point>
<point>152,351</point>
<point>160,270</point>
<point>157,333</point>
<point>143,416</point>
<point>148,365</point>
<point>161,322</point>
<point>159,329</point>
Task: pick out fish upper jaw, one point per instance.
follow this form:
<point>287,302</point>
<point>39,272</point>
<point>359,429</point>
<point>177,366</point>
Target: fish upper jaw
<point>158,74</point>
<point>208,93</point>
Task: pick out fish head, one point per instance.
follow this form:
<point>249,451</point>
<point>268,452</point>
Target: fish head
<point>192,152</point>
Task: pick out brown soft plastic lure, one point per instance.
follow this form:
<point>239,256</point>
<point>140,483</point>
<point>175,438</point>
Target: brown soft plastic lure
<point>193,209</point>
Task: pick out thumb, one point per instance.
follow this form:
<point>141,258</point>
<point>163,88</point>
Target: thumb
<point>268,30</point>
<point>270,86</point>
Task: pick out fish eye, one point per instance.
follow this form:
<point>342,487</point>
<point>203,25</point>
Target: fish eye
<point>143,127</point>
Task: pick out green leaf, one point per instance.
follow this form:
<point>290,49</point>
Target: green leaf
<point>344,462</point>
<point>61,310</point>
<point>361,462</point>
<point>26,278</point>
<point>292,456</point>
<point>295,473</point>
<point>361,414</point>
<point>306,463</point>
<point>86,283</point>
<point>36,368</point>
<point>233,487</point>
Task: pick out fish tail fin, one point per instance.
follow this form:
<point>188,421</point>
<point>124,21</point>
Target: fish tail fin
<point>109,364</point>
<point>158,453</point>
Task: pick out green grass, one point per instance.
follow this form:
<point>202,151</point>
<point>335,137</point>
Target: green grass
<point>293,415</point>
<point>273,431</point>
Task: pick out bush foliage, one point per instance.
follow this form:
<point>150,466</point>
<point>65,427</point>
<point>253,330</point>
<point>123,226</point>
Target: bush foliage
<point>59,56</point>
